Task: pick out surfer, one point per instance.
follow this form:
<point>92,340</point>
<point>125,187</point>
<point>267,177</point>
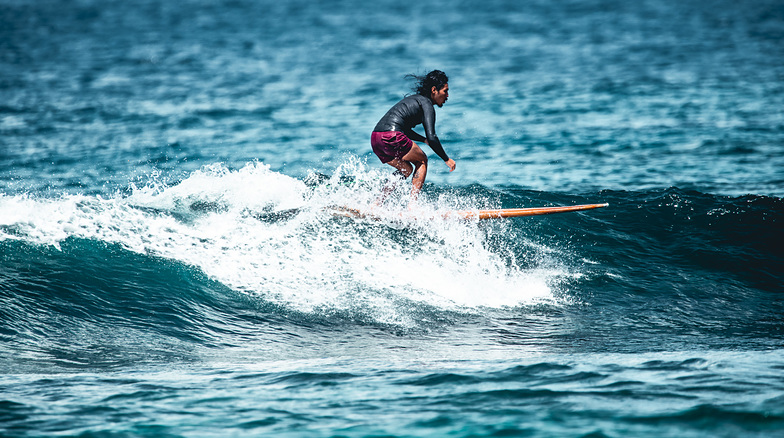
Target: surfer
<point>393,137</point>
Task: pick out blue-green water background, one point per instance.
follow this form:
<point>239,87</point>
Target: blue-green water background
<point>166,268</point>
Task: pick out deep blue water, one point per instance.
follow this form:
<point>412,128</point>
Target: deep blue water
<point>167,267</point>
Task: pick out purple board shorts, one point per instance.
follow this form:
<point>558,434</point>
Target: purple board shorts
<point>390,145</point>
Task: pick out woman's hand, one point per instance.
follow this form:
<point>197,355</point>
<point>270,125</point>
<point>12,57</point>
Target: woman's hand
<point>451,164</point>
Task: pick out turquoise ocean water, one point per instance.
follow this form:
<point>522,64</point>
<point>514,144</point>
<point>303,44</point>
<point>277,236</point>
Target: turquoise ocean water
<point>167,268</point>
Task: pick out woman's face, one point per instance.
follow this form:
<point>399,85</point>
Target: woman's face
<point>440,96</point>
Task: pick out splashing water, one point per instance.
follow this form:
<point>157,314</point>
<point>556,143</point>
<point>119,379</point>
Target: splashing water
<point>270,235</point>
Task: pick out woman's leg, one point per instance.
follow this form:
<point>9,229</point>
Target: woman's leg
<point>414,161</point>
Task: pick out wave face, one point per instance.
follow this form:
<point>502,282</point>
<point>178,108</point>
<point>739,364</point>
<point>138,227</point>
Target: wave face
<point>179,262</point>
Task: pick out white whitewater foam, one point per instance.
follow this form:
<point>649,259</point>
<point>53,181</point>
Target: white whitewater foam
<point>309,262</point>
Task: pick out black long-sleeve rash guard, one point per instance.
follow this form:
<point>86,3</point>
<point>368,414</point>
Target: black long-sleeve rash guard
<point>409,112</point>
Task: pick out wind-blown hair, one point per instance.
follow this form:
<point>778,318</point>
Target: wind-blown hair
<point>424,84</point>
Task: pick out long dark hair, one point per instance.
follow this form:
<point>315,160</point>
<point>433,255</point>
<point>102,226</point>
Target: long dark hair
<point>424,84</point>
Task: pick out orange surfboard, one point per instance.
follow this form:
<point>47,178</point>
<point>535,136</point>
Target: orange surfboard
<point>477,214</point>
<point>520,212</point>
